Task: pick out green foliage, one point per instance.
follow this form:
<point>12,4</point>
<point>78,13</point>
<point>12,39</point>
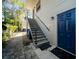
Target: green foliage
<point>19,26</point>
<point>20,3</point>
<point>12,28</point>
<point>19,12</point>
<point>11,19</point>
<point>5,36</point>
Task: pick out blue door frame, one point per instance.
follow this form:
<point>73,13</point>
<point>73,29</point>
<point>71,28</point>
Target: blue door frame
<point>66,30</point>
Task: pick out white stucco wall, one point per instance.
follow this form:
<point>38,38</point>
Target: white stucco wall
<point>51,8</point>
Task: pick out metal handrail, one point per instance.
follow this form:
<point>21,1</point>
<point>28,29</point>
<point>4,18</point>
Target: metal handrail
<point>43,23</point>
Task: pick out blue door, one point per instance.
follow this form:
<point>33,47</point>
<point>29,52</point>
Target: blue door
<point>66,30</point>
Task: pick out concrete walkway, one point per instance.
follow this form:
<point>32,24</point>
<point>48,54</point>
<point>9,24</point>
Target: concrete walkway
<point>16,49</point>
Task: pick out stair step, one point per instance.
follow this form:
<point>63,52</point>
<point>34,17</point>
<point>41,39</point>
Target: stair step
<point>40,39</point>
<point>35,31</point>
<point>39,36</point>
<point>35,28</point>
<point>32,27</point>
<point>44,46</point>
<point>41,42</point>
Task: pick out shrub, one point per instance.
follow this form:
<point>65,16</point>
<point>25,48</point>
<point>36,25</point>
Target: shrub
<point>5,36</point>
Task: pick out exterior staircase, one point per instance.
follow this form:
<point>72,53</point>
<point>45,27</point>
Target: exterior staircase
<point>38,36</point>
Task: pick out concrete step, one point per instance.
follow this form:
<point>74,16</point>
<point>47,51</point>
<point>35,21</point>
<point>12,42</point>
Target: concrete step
<point>37,32</point>
<point>44,46</point>
<point>35,28</point>
<point>41,42</point>
<point>40,39</point>
<point>39,36</point>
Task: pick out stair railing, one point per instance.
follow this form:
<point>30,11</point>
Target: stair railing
<point>31,35</point>
<point>35,36</point>
<point>42,22</point>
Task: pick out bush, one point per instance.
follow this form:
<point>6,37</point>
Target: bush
<point>13,28</point>
<point>19,26</point>
<point>5,36</point>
